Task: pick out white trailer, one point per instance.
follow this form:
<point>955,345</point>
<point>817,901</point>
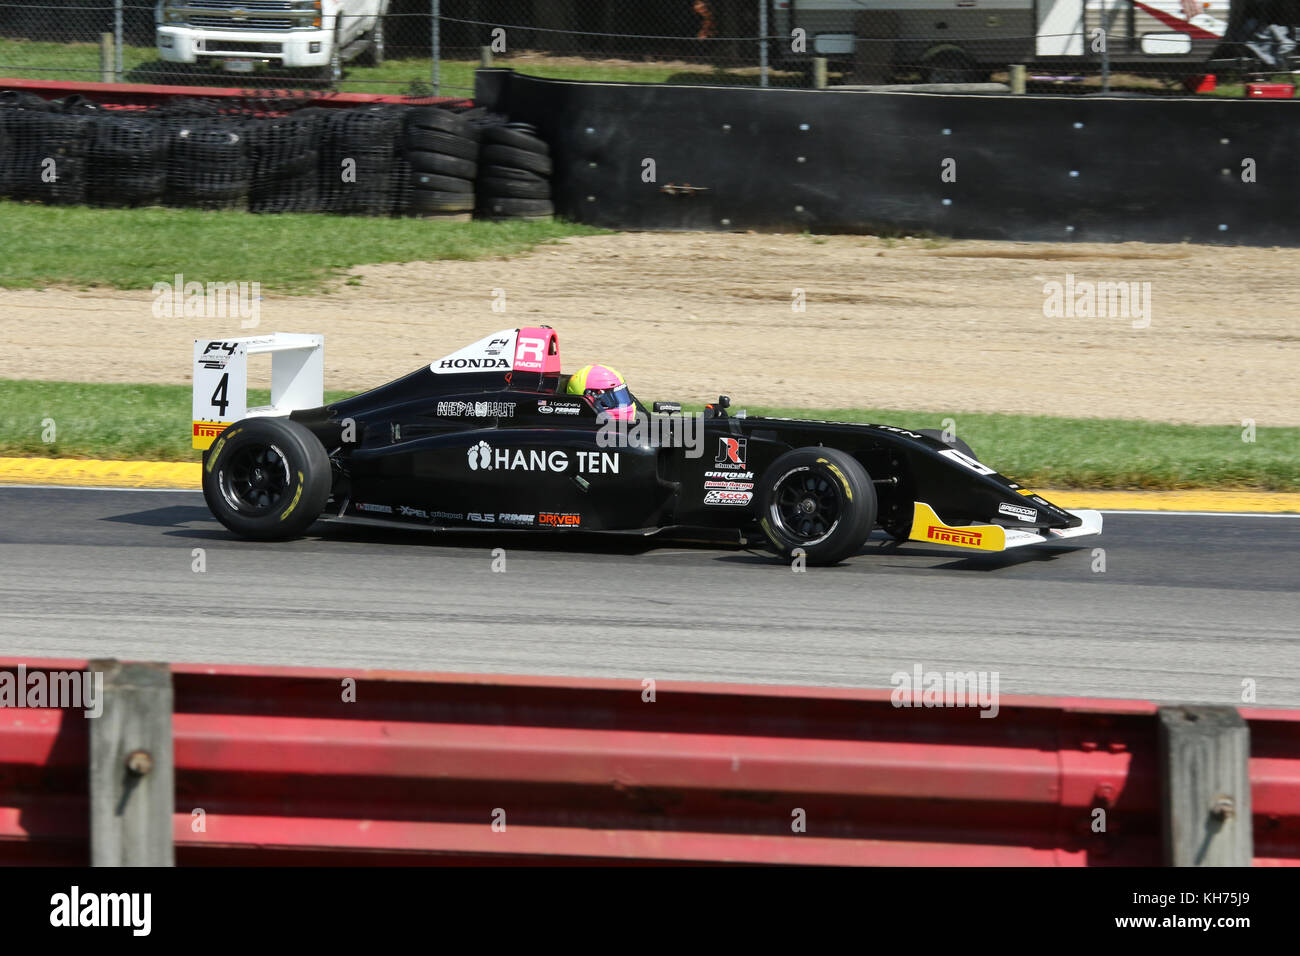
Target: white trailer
<point>965,40</point>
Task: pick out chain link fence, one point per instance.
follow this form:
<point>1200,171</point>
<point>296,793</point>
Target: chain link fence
<point>428,46</point>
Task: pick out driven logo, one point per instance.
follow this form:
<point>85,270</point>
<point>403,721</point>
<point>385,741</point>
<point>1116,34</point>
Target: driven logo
<point>559,521</point>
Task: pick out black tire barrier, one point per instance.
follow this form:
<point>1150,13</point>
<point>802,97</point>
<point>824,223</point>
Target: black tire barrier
<point>270,156</point>
<point>518,158</point>
<point>127,160</point>
<point>446,184</point>
<point>505,136</point>
<point>208,163</point>
<point>286,162</point>
<point>426,162</point>
<point>447,143</point>
<point>509,172</point>
<point>358,160</point>
<point>442,121</point>
<point>46,155</point>
<point>126,139</point>
<point>22,99</point>
<point>432,200</point>
<point>512,189</point>
<point>505,208</point>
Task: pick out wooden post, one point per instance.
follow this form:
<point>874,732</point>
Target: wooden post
<point>1205,786</point>
<point>107,58</point>
<point>819,72</point>
<point>132,785</point>
<point>1016,77</point>
<point>484,57</point>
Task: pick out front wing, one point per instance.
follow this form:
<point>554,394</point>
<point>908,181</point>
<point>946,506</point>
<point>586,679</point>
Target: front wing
<point>928,527</point>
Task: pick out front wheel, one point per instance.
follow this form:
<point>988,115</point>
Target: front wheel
<point>266,478</point>
<point>820,500</point>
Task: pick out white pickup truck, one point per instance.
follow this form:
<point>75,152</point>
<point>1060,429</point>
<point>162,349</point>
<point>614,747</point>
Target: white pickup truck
<point>244,36</point>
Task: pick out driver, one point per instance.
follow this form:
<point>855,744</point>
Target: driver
<point>605,389</point>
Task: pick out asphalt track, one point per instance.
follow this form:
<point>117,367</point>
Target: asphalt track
<point>1188,606</point>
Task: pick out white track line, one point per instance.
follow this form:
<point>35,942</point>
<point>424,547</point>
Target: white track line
<point>1211,514</point>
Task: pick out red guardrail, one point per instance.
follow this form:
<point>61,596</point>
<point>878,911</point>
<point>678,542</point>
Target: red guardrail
<point>147,94</point>
<point>420,766</point>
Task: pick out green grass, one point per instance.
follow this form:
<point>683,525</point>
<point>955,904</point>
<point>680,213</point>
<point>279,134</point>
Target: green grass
<point>1105,452</point>
<point>120,422</point>
<point>152,422</point>
<point>294,253</point>
<point>80,61</point>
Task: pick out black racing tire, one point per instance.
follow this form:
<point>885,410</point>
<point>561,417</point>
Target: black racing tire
<point>433,200</point>
<point>294,166</point>
<point>440,121</point>
<point>505,136</point>
<point>957,443</point>
<point>509,172</point>
<point>423,161</point>
<point>445,184</point>
<point>436,142</point>
<point>512,189</point>
<point>818,499</point>
<point>518,158</point>
<point>266,478</point>
<point>493,207</point>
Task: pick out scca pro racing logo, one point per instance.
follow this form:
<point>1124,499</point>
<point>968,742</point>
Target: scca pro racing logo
<point>483,457</point>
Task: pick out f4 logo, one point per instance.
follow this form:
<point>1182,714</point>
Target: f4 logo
<point>731,451</point>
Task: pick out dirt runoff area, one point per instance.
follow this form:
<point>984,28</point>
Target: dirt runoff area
<point>1212,334</point>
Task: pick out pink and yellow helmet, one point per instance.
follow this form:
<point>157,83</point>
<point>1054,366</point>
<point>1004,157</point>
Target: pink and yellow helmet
<point>606,389</point>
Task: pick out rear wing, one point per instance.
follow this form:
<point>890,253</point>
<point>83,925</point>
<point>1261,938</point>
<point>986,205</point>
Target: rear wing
<point>221,379</point>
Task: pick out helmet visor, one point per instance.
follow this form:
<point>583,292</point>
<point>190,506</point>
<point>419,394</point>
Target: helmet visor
<point>608,399</point>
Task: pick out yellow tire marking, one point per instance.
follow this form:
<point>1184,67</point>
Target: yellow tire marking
<point>840,475</point>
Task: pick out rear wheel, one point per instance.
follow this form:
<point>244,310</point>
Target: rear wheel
<point>266,478</point>
<point>820,500</point>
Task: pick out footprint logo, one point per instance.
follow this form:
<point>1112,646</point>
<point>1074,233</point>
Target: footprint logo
<point>480,456</point>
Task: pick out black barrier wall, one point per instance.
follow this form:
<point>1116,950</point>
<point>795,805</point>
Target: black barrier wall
<point>1019,167</point>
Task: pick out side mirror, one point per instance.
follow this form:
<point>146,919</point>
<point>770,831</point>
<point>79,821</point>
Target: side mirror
<point>667,408</point>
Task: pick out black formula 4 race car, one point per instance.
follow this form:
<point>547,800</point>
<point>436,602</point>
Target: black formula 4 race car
<point>487,438</point>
